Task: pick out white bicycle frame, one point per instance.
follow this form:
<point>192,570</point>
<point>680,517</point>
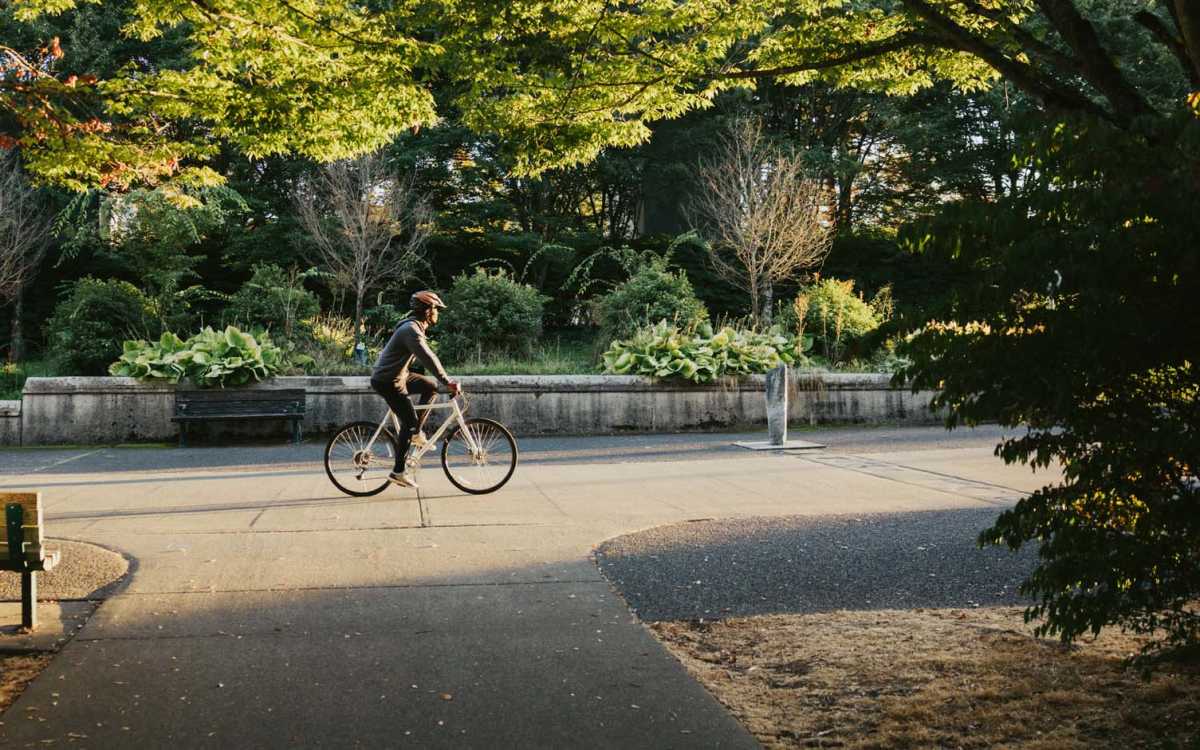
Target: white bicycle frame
<point>456,418</point>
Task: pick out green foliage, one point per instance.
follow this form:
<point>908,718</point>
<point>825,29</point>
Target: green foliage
<point>273,299</point>
<point>12,381</point>
<point>651,293</point>
<point>14,374</point>
<point>1080,329</point>
<point>165,359</point>
<point>835,316</point>
<point>209,358</point>
<point>490,314</point>
<point>331,97</point>
<point>86,330</point>
<point>383,319</point>
<point>698,354</point>
<point>147,236</point>
<point>328,347</point>
<point>231,357</point>
<point>562,353</point>
<point>349,82</point>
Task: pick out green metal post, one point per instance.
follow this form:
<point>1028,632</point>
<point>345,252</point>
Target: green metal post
<point>14,519</point>
<point>29,618</point>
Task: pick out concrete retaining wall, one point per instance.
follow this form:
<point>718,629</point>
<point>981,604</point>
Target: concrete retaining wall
<point>10,423</point>
<point>117,410</point>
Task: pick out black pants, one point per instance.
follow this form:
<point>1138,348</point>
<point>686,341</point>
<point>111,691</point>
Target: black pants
<point>398,401</point>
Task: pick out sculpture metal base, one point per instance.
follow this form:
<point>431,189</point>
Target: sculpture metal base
<point>787,445</point>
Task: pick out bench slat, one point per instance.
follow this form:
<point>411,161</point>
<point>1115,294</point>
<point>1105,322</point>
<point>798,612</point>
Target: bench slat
<point>252,404</point>
<point>31,502</point>
<point>268,395</point>
<point>39,558</point>
<point>236,406</point>
<point>35,555</point>
<point>258,415</point>
<point>273,403</point>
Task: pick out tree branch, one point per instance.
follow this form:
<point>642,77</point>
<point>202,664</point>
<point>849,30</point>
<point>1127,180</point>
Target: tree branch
<point>866,52</point>
<point>1023,75</point>
<point>1158,28</point>
<point>1187,17</point>
<point>1097,65</point>
<point>1028,41</point>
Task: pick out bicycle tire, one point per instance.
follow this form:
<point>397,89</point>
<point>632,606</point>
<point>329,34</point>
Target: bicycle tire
<point>498,442</point>
<point>354,436</point>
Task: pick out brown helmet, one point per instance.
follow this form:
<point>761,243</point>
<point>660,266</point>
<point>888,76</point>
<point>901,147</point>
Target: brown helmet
<point>424,300</point>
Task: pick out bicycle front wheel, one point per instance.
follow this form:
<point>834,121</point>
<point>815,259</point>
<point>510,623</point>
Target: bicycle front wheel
<point>482,462</point>
<point>357,466</point>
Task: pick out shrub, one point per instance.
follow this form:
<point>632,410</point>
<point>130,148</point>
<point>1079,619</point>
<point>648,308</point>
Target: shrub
<point>273,299</point>
<point>86,329</point>
<point>1078,332</point>
<point>12,380</point>
<point>381,320</point>
<point>651,293</point>
<point>210,358</point>
<point>666,351</point>
<point>489,314</point>
<point>834,315</point>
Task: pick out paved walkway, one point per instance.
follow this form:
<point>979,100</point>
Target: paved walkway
<point>268,611</point>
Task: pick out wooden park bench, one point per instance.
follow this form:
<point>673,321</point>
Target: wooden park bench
<point>205,406</point>
<point>21,549</point>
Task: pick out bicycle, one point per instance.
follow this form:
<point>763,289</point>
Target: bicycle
<point>478,455</point>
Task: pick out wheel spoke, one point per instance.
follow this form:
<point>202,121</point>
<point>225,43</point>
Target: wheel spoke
<point>356,464</point>
<point>488,465</point>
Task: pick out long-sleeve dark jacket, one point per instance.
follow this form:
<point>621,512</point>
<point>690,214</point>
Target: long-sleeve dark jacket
<point>408,342</point>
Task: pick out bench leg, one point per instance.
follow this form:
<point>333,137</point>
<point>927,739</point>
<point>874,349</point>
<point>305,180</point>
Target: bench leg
<point>182,434</point>
<point>296,432</point>
<point>29,599</point>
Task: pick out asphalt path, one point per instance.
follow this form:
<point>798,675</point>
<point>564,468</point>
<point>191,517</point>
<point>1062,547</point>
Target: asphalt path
<point>754,566</point>
<point>264,603</point>
<point>533,450</point>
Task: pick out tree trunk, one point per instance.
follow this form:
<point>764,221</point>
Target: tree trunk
<point>755,285</point>
<point>360,347</point>
<point>845,203</point>
<point>16,350</point>
<point>768,297</point>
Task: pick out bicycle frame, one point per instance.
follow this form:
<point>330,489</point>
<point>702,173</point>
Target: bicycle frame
<point>456,418</point>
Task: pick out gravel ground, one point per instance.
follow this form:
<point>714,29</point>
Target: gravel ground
<point>84,571</point>
<point>798,564</point>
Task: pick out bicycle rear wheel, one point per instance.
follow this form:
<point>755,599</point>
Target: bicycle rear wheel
<point>485,469</point>
<point>355,467</point>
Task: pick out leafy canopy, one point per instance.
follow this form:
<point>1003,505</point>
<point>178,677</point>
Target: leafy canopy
<point>330,79</point>
<point>1080,328</point>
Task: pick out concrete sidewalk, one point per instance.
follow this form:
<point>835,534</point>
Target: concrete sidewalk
<point>269,611</point>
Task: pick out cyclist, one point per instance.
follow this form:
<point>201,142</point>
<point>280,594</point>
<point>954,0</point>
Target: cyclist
<point>392,380</point>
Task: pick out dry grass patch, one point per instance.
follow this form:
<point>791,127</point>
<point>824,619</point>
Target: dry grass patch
<point>16,672</point>
<point>934,678</point>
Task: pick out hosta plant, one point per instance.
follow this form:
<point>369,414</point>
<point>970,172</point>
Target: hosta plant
<point>702,355</point>
<point>209,358</point>
<point>165,359</point>
<point>231,357</point>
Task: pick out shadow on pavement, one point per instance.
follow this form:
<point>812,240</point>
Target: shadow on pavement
<point>799,564</point>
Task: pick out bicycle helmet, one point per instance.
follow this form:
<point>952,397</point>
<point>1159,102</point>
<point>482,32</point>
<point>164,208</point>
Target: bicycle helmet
<point>425,300</point>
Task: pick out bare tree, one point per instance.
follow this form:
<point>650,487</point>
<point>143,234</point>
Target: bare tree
<point>368,225</point>
<point>762,215</point>
<point>25,227</point>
